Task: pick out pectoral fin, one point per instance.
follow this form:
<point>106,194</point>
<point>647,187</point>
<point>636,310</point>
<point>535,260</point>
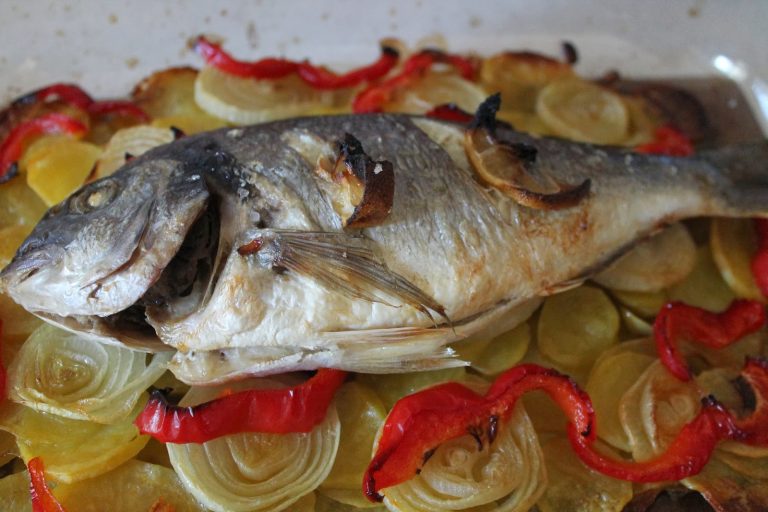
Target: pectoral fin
<point>340,262</point>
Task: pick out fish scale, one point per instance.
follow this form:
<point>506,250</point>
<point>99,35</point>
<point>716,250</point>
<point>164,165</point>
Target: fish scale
<point>453,257</point>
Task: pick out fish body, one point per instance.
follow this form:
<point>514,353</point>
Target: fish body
<point>152,256</point>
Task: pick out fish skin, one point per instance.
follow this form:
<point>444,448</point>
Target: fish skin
<point>470,249</point>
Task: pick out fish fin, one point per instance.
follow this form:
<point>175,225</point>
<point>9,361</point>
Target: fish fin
<point>341,262</point>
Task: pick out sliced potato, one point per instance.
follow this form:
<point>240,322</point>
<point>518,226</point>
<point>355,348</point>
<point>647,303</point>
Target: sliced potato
<point>247,101</point>
<point>14,493</point>
<point>644,304</point>
<point>18,324</point>
<point>576,326</point>
<point>58,168</point>
<point>132,141</point>
<point>72,450</point>
<point>437,88</point>
<point>503,351</point>
<point>643,121</point>
<point>704,287</point>
<point>393,387</point>
<point>733,482</point>
<point>519,76</point>
<point>19,204</point>
<point>525,122</point>
<point>134,486</point>
<point>189,124</point>
<point>584,112</point>
<point>609,379</point>
<point>575,487</point>
<point>654,264</point>
<point>361,413</point>
<point>11,237</point>
<point>734,243</point>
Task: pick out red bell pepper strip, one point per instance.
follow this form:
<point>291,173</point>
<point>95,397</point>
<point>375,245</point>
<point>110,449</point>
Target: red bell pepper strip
<point>120,108</point>
<point>450,112</point>
<point>316,76</point>
<point>13,146</point>
<point>376,96</point>
<point>42,499</point>
<point>74,95</point>
<point>274,411</point>
<point>667,141</point>
<point>68,93</point>
<point>760,259</point>
<point>419,423</point>
<point>680,322</point>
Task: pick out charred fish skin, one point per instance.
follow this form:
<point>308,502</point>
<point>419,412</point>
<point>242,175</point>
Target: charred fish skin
<point>450,244</point>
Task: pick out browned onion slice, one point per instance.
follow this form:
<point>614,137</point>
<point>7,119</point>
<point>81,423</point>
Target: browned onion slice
<point>363,190</point>
<point>505,166</point>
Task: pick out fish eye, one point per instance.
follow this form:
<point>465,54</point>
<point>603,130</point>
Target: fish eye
<point>94,197</point>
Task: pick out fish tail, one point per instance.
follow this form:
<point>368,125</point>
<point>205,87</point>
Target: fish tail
<point>744,167</point>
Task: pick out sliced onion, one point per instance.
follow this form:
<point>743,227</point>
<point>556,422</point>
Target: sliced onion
<point>130,142</point>
<point>65,374</point>
<point>509,474</point>
<point>255,472</point>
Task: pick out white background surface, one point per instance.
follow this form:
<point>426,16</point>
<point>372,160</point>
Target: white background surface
<point>108,46</point>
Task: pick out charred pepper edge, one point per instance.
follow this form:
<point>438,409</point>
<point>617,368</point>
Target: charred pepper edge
<point>686,455</point>
<point>318,77</point>
<point>288,410</point>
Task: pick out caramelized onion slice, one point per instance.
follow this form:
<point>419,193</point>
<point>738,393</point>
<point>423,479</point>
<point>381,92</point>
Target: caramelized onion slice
<point>507,167</point>
<point>361,190</point>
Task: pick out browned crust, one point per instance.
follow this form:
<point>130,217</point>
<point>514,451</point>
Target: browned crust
<point>377,179</point>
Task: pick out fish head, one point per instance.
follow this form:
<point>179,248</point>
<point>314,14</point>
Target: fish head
<point>98,251</point>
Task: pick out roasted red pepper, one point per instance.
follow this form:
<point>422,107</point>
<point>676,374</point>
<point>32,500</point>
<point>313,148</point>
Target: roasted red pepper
<point>376,96</point>
<point>74,95</point>
<point>760,259</point>
<point>274,411</point>
<point>68,93</point>
<point>450,112</point>
<point>667,141</point>
<point>419,423</point>
<point>13,146</point>
<point>680,322</point>
<point>42,499</point>
<point>316,76</point>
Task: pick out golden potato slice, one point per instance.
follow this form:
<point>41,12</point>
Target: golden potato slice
<point>583,111</point>
<point>609,379</point>
<point>704,286</point>
<point>644,304</point>
<point>247,101</point>
<point>134,486</point>
<point>573,486</point>
<point>132,141</point>
<point>14,493</point>
<point>189,124</point>
<point>525,122</point>
<point>503,351</point>
<point>576,326</point>
<point>361,413</point>
<point>733,243</point>
<point>391,388</point>
<point>58,168</point>
<point>18,324</point>
<point>19,204</point>
<point>519,76</point>
<point>653,264</point>
<point>643,122</point>
<point>11,237</point>
<point>437,88</point>
<point>72,450</point>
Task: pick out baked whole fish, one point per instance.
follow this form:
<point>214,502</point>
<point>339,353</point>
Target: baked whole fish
<point>234,247</point>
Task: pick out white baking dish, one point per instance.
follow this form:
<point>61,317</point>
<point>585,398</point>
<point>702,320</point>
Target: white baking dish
<point>109,46</point>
